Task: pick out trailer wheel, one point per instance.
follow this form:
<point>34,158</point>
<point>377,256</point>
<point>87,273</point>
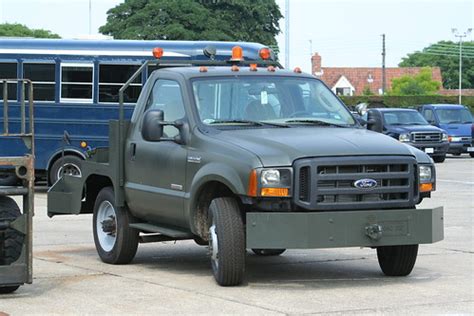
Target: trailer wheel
<point>397,260</point>
<point>71,165</point>
<point>11,241</point>
<point>8,179</point>
<point>226,241</point>
<point>115,241</point>
<point>268,252</point>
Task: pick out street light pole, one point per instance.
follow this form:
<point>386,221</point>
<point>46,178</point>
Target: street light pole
<point>460,35</point>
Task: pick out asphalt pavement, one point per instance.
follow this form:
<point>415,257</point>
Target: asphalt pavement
<point>176,278</point>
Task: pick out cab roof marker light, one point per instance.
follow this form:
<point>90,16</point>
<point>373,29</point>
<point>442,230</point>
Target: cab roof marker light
<point>297,70</point>
<point>253,67</point>
<point>234,68</point>
<point>271,68</point>
<point>237,54</point>
<point>157,52</point>
<point>203,69</point>
<point>265,53</point>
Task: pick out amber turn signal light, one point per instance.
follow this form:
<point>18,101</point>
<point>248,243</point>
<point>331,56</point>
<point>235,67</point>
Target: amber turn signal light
<point>274,192</point>
<point>426,187</point>
<point>83,144</point>
<point>252,188</point>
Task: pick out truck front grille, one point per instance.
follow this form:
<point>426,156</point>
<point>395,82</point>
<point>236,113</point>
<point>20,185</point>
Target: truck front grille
<point>426,137</point>
<point>330,183</point>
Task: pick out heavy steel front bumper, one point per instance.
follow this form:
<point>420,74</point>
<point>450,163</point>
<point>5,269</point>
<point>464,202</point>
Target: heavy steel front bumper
<point>344,228</point>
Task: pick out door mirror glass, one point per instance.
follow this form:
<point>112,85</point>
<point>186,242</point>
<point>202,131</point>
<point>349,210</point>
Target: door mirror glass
<point>152,128</point>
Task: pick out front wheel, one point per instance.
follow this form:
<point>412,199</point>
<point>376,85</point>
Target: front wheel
<point>226,241</point>
<point>115,241</point>
<point>268,252</point>
<point>8,289</point>
<point>397,260</point>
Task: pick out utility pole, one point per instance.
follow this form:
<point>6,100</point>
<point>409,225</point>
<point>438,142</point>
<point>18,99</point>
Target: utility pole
<point>90,17</point>
<point>384,82</point>
<point>457,34</point>
<point>287,34</point>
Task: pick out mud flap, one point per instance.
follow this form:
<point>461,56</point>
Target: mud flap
<point>65,196</point>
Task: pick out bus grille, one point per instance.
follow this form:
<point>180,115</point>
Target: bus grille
<point>329,183</point>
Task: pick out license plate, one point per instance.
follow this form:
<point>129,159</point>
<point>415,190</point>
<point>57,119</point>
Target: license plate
<point>470,149</point>
<point>429,150</point>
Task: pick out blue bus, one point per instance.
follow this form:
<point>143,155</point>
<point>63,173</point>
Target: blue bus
<point>76,85</point>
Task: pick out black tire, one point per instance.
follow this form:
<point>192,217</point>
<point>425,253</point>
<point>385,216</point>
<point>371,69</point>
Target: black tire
<point>201,242</point>
<point>226,233</point>
<point>8,179</point>
<point>397,260</point>
<point>8,289</point>
<point>471,154</point>
<point>439,159</point>
<point>11,240</point>
<point>126,239</point>
<point>73,167</point>
<point>268,252</point>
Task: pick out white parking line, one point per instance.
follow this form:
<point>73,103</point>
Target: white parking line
<point>455,181</point>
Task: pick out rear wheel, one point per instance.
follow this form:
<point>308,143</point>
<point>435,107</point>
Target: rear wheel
<point>115,241</point>
<point>70,165</point>
<point>11,241</point>
<point>471,154</point>
<point>439,158</point>
<point>268,252</point>
<point>397,260</point>
<point>226,241</point>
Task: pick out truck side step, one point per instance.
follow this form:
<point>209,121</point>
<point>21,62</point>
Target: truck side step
<point>174,232</point>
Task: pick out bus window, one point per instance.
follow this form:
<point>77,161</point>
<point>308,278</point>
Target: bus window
<point>8,71</point>
<point>76,82</point>
<point>42,76</point>
<point>112,77</point>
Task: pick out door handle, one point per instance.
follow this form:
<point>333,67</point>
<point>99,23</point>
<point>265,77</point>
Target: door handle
<point>133,150</point>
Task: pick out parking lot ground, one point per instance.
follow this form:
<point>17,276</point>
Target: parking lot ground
<point>175,278</point>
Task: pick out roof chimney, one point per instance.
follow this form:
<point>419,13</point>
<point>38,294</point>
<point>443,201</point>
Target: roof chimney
<point>316,65</point>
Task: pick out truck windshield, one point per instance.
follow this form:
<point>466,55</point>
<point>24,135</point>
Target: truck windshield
<point>404,118</point>
<point>454,116</point>
<point>276,101</point>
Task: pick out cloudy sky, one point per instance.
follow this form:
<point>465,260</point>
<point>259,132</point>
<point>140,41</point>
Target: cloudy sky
<point>344,32</point>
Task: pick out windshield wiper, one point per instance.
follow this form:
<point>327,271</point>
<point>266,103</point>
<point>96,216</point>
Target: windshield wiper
<point>254,123</point>
<point>316,122</point>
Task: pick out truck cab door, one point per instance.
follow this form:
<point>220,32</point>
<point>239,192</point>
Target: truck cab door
<point>155,171</point>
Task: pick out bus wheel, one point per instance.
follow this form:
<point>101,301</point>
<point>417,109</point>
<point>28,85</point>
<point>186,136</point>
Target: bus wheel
<point>70,165</point>
<point>268,252</point>
<point>115,241</point>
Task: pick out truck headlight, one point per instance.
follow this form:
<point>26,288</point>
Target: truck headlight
<point>426,176</point>
<point>404,137</point>
<point>271,182</point>
<point>270,177</point>
<point>444,137</point>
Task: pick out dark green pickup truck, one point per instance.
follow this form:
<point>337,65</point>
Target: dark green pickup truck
<point>240,154</point>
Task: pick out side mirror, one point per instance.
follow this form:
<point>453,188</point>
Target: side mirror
<point>374,121</point>
<point>152,129</point>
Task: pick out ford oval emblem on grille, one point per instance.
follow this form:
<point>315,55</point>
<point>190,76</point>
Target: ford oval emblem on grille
<point>365,183</point>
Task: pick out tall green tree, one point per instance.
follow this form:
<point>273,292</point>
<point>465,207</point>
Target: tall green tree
<point>445,54</point>
<point>420,84</point>
<point>19,30</point>
<point>223,20</point>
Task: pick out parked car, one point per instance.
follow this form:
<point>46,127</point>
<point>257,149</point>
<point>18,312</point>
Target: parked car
<point>409,127</point>
<point>456,121</point>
